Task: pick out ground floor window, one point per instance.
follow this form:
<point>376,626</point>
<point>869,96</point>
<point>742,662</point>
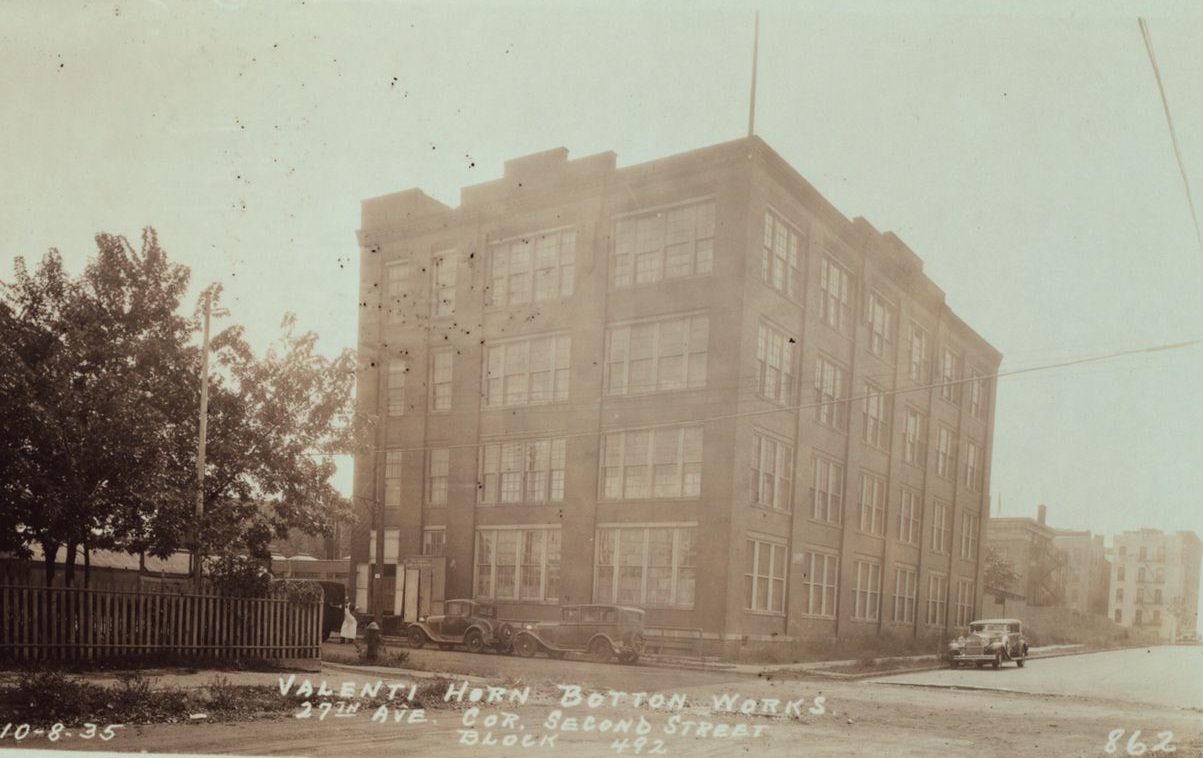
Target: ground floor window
<point>646,566</point>
<point>906,586</point>
<point>764,577</point>
<point>819,572</point>
<point>867,593</point>
<point>434,540</point>
<point>937,601</point>
<point>964,609</point>
<point>518,563</point>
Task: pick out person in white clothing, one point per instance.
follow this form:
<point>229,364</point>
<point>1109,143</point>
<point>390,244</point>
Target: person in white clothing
<point>350,625</point>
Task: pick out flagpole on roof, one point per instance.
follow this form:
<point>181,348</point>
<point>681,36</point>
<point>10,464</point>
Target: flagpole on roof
<point>755,56</point>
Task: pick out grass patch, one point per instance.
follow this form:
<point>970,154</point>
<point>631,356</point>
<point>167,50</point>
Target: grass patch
<point>852,648</point>
<point>357,655</point>
<point>873,665</point>
<point>47,697</point>
<point>1066,626</point>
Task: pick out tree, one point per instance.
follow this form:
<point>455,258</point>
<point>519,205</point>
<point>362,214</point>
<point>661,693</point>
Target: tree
<point>89,359</point>
<point>99,401</point>
<point>1046,574</point>
<point>1180,611</point>
<point>274,423</point>
<point>999,573</point>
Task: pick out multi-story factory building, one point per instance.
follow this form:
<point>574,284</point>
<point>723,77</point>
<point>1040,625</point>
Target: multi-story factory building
<point>689,385</point>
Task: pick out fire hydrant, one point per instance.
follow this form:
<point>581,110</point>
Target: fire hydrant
<point>371,636</point>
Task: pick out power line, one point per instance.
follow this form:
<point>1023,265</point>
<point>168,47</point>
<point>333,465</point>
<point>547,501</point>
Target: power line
<point>559,434</point>
<point>1169,120</point>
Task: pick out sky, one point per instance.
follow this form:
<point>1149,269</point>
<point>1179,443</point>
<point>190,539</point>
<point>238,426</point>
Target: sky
<point>1020,149</point>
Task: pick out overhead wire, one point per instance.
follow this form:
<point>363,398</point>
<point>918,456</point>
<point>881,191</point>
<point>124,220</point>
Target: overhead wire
<point>1169,120</point>
<point>560,433</point>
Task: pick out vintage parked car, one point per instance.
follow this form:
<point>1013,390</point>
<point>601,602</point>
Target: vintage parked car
<point>990,641</point>
<point>602,631</point>
<point>464,622</point>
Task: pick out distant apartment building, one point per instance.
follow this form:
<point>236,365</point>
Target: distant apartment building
<point>1085,575</point>
<point>1155,581</point>
<point>1029,546</point>
<point>689,385</point>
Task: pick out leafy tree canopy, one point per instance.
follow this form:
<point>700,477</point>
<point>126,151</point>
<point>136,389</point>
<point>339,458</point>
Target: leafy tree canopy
<point>99,405</point>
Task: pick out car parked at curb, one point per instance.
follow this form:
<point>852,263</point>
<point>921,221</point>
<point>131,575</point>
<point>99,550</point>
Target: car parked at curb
<point>601,631</point>
<point>463,622</point>
<point>989,641</point>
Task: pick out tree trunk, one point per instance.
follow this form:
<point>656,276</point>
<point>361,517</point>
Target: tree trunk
<point>69,567</point>
<point>87,566</point>
<point>49,552</point>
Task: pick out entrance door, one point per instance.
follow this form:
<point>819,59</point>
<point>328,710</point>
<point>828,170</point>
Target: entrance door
<point>412,583</point>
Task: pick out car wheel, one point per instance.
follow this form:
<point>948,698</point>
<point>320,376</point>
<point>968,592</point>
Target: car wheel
<point>981,664</point>
<point>997,661</point>
<point>629,657</point>
<point>474,641</point>
<point>526,646</point>
<point>506,635</point>
<point>1020,661</point>
<point>417,638</point>
<point>600,650</point>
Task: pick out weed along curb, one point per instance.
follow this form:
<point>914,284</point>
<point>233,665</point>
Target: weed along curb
<point>830,669</point>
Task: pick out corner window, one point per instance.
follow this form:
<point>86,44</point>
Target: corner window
<point>835,299</point>
<point>772,472</point>
<point>881,317</point>
<point>652,463</point>
<point>657,356</point>
<point>672,243</point>
<point>646,566</point>
<point>764,576</point>
<point>779,256</point>
<point>830,391</point>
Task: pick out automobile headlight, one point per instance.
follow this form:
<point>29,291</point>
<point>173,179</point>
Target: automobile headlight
<point>528,626</point>
<point>954,645</point>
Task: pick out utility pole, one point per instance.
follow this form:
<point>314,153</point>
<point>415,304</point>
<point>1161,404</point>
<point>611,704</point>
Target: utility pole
<point>380,458</point>
<point>199,512</point>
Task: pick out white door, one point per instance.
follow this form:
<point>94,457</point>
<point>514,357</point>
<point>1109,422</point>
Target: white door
<point>411,597</point>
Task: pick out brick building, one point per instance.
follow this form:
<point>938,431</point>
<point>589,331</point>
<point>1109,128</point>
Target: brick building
<point>1155,581</point>
<point>1029,546</point>
<point>689,385</point>
<point>1086,573</point>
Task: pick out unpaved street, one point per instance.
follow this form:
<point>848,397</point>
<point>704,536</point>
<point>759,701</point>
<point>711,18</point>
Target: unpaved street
<point>855,718</point>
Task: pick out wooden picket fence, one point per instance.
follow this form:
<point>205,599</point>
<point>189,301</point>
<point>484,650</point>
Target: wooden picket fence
<point>74,624</point>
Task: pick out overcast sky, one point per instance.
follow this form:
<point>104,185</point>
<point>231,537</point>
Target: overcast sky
<point>1020,149</point>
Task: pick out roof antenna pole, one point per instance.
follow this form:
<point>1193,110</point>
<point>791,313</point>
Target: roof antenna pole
<point>755,55</point>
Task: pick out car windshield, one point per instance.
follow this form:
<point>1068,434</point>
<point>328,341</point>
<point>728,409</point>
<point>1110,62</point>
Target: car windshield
<point>987,627</point>
<point>632,617</point>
